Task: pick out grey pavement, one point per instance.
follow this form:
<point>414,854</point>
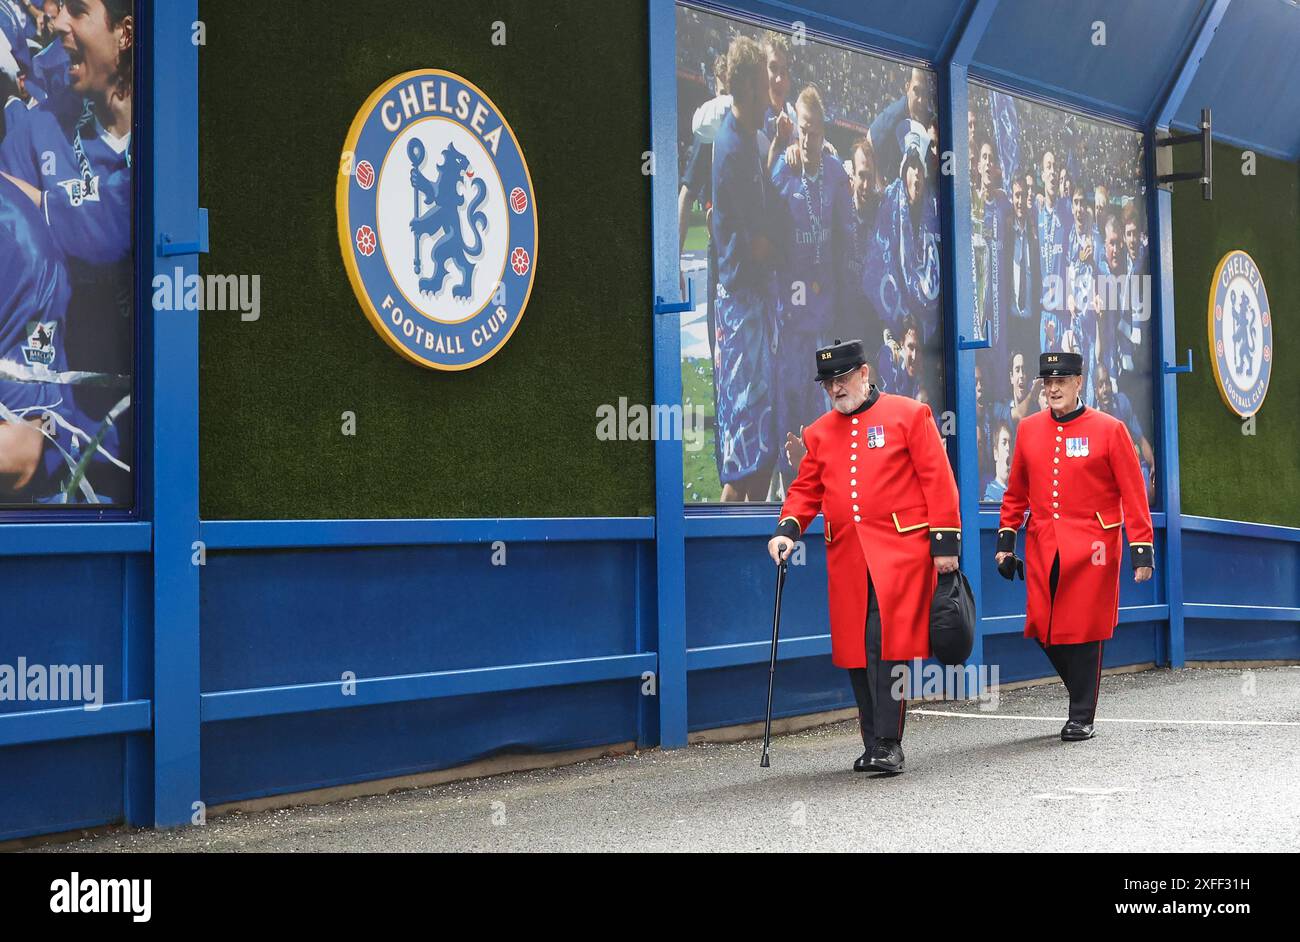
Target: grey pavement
<point>973,783</point>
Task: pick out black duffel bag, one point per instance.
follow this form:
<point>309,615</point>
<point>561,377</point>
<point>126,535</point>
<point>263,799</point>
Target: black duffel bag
<point>952,619</point>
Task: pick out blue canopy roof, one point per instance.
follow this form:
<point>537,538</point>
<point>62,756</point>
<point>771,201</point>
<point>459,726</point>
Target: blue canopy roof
<point>1249,75</point>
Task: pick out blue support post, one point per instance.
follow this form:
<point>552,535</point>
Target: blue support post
<point>670,524</point>
<point>958,291</point>
<point>137,684</point>
<point>1161,228</point>
<point>174,430</point>
<point>1166,389</point>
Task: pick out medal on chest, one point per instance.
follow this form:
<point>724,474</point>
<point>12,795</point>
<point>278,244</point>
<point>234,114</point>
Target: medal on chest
<point>876,436</point>
<point>1076,447</point>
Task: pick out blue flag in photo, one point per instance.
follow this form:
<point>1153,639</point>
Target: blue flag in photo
<point>1006,134</point>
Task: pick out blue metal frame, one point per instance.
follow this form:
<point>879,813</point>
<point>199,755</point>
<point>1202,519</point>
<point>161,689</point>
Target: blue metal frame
<point>28,539</point>
<point>1246,528</point>
<point>111,719</point>
<point>821,27</point>
<point>1161,252</point>
<point>369,691</point>
<point>959,299</point>
<point>174,432</point>
<point>284,534</point>
<point>670,528</point>
<point>712,657</point>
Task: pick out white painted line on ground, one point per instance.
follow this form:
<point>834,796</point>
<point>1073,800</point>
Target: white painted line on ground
<point>1103,719</point>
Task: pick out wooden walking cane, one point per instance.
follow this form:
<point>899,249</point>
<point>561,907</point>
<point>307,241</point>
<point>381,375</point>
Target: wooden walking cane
<point>771,666</point>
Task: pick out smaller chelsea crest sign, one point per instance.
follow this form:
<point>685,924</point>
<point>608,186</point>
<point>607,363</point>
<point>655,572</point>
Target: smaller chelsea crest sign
<point>1241,333</point>
<point>436,219</point>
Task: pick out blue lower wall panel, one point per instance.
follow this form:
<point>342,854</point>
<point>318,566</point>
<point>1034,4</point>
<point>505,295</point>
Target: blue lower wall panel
<point>301,616</point>
<point>732,695</point>
<point>1216,640</point>
<point>60,786</point>
<point>1222,568</point>
<point>731,585</point>
<point>63,610</point>
<point>245,759</point>
<point>730,588</point>
<point>1241,569</point>
<point>279,617</point>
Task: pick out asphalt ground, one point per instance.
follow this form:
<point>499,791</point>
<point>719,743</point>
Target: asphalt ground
<point>1158,777</point>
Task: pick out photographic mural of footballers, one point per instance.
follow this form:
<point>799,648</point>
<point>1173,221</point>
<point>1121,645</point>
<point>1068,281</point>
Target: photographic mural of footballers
<point>66,258</point>
<point>1059,234</point>
<point>807,211</point>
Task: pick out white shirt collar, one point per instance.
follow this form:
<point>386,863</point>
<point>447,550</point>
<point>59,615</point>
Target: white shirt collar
<point>118,144</point>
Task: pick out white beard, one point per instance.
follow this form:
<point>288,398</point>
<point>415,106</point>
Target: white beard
<point>848,405</point>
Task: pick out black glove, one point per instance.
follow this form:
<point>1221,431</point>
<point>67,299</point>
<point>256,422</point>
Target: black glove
<point>1011,566</point>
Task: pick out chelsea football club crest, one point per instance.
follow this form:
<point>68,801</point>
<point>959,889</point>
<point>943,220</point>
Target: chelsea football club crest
<point>436,219</point>
<point>1241,333</point>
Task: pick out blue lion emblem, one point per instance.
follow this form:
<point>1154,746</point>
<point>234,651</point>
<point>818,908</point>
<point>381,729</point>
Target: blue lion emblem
<point>1243,332</point>
<point>441,219</point>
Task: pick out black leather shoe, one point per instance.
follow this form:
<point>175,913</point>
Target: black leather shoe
<point>887,757</point>
<point>863,762</point>
<point>1077,732</point>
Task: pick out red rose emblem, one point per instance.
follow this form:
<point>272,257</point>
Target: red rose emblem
<point>519,261</point>
<point>366,241</point>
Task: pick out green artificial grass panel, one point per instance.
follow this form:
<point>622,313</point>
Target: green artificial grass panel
<point>515,436</point>
<point>701,483</point>
<point>1223,472</point>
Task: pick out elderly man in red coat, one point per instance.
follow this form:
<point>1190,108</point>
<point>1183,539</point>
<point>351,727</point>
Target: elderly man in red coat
<point>1075,469</point>
<point>877,470</point>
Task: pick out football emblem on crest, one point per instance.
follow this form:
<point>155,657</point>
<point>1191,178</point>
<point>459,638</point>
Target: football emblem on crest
<point>365,175</point>
<point>447,267</point>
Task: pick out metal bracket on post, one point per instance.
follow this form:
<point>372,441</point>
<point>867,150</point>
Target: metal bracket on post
<point>677,307</point>
<point>167,248</point>
<point>1184,368</point>
<point>1165,175</point>
<point>979,343</point>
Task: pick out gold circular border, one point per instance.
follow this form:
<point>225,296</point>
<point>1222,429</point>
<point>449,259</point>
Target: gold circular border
<point>344,223</point>
<point>1219,382</point>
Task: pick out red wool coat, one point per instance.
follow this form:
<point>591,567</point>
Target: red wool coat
<point>1080,480</point>
<point>881,479</point>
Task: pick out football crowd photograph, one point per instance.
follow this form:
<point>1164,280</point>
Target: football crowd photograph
<point>67,334</point>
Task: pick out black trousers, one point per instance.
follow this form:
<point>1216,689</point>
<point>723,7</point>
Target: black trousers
<point>1078,665</point>
<point>880,714</point>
